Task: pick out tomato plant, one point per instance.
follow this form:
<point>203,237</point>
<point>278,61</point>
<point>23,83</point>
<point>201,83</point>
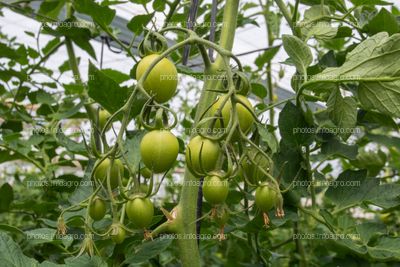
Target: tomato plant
<point>159,139</point>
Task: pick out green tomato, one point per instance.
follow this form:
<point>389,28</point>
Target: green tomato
<point>97,209</point>
<point>252,171</point>
<point>215,189</point>
<point>162,79</point>
<point>140,211</point>
<point>159,150</point>
<point>144,188</point>
<point>266,198</point>
<point>208,157</point>
<point>119,235</point>
<point>103,117</point>
<point>116,170</point>
<point>245,117</point>
<point>145,172</point>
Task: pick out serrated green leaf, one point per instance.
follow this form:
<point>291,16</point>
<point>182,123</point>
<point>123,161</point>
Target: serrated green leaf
<point>298,51</point>
<point>343,112</point>
<point>314,24</point>
<point>11,254</point>
<point>381,96</point>
<point>379,86</point>
<point>357,189</point>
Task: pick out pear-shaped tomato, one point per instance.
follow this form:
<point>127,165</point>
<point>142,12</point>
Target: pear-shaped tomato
<point>97,209</point>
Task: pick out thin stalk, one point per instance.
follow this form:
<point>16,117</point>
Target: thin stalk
<point>310,177</point>
<point>171,12</point>
<point>286,13</point>
<point>266,9</point>
<point>299,246</point>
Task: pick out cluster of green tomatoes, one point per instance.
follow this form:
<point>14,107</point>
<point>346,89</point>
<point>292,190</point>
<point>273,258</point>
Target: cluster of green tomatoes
<point>205,156</point>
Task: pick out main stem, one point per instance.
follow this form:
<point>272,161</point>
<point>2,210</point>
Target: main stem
<point>271,38</point>
<point>190,255</point>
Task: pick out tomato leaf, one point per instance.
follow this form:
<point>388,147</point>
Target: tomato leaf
<point>259,90</point>
<point>85,188</point>
<point>343,112</point>
<point>106,91</point>
<point>11,253</point>
<point>51,9</point>
<point>139,22</point>
<point>314,25</point>
<point>102,15</point>
<point>117,76</point>
<point>8,52</point>
<point>149,250</point>
<point>370,2</point>
<point>132,142</point>
<point>334,147</point>
<point>266,56</point>
<point>298,51</point>
<point>378,86</point>
<point>384,21</point>
<point>6,197</point>
<point>293,127</point>
<point>386,101</point>
<point>362,190</point>
<point>40,235</point>
<point>159,5</point>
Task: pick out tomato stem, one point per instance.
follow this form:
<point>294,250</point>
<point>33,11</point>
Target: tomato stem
<point>188,202</point>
